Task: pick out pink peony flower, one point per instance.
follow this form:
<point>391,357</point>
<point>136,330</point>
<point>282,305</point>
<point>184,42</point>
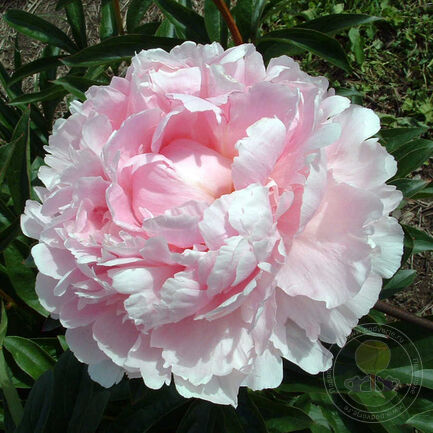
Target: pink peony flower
<point>207,216</point>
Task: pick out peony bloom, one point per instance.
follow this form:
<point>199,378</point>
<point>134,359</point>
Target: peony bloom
<point>205,217</point>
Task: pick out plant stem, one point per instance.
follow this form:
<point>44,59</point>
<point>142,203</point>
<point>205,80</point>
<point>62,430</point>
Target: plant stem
<point>398,313</point>
<point>116,7</point>
<point>228,18</point>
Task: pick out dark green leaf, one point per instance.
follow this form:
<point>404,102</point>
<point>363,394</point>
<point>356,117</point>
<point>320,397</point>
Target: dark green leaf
<point>39,29</point>
<point>9,233</point>
<point>281,418</point>
<point>334,23</point>
<point>426,193</point>
<point>147,28</point>
<point>166,29</point>
<point>249,415</point>
<point>402,279</point>
<point>29,356</point>
<point>247,14</point>
<point>50,94</point>
<point>110,25</point>
<point>42,64</point>
<point>8,116</point>
<point>191,23</point>
<point>422,241</point>
<point>311,40</point>
<point>75,15</point>
<point>215,25</point>
<point>89,406</point>
<point>117,49</point>
<point>422,421</point>
<point>18,171</point>
<point>6,153</point>
<point>76,85</point>
<point>396,137</point>
<point>136,11</point>
<point>412,155</point>
<point>201,417</point>
<point>157,406</point>
<point>38,405</point>
<point>22,278</point>
<point>409,187</point>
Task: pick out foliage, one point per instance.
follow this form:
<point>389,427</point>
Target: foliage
<point>44,388</point>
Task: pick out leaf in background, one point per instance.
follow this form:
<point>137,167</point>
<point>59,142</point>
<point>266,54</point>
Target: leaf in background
<point>422,241</point>
<point>201,416</point>
<point>34,67</point>
<point>412,155</point>
<point>215,25</point>
<point>318,43</point>
<point>38,405</point>
<point>76,85</point>
<point>6,153</point>
<point>281,418</point>
<point>18,171</point>
<point>147,28</point>
<point>157,406</point>
<point>75,15</point>
<point>426,193</point>
<point>49,94</point>
<point>30,357</point>
<point>396,137</point>
<point>249,415</point>
<point>422,421</point>
<point>334,23</point>
<point>110,25</point>
<point>117,49</point>
<point>401,279</point>
<point>166,29</point>
<point>37,28</point>
<point>247,14</point>
<point>6,385</point>
<point>22,278</point>
<point>9,233</point>
<point>191,24</point>
<point>409,187</point>
<point>136,11</point>
<point>357,45</point>
<point>8,116</point>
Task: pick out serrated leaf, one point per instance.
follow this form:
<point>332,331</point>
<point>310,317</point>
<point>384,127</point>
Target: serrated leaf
<point>117,49</point>
<point>42,64</point>
<point>191,24</point>
<point>316,42</point>
<point>409,187</point>
<point>38,28</point>
<point>402,279</point>
<point>215,25</point>
<point>38,405</point>
<point>396,137</point>
<point>18,170</point>
<point>248,14</point>
<point>22,278</point>
<point>30,357</point>
<point>136,11</point>
<point>334,23</point>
